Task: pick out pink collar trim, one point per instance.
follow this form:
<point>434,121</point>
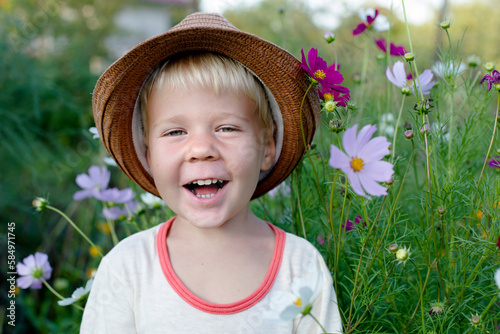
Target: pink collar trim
<point>205,306</point>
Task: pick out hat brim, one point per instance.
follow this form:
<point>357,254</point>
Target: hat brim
<point>118,88</point>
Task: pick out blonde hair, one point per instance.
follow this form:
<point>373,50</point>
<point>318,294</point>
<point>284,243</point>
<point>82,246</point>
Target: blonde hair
<point>206,70</point>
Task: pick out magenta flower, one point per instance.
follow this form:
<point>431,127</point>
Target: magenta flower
<point>494,162</point>
<point>349,224</point>
<point>114,195</point>
<point>394,50</point>
<point>320,239</point>
<point>325,75</point>
<point>33,270</point>
<point>371,20</point>
<point>96,179</point>
<point>362,162</point>
<point>340,98</point>
<point>493,79</point>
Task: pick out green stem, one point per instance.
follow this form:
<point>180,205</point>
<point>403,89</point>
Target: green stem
<point>75,227</point>
<point>450,138</point>
<point>319,324</point>
<point>396,129</point>
<point>489,148</point>
<point>57,294</point>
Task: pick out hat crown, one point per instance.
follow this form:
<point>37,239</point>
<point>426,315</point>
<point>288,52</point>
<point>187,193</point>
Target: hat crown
<point>204,20</point>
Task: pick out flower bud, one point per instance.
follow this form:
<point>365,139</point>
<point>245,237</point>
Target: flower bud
<point>424,106</point>
<point>336,125</point>
<point>329,37</point>
<point>445,25</point>
<point>489,66</point>
<point>437,308</point>
<point>393,248</point>
<point>40,203</point>
<point>356,78</point>
<point>475,320</point>
<point>497,85</point>
<point>473,61</point>
<point>389,182</point>
<point>380,57</point>
<point>409,57</point>
<point>402,255</point>
<point>330,106</point>
<point>405,90</point>
<point>441,210</point>
<point>409,134</point>
<point>351,105</point>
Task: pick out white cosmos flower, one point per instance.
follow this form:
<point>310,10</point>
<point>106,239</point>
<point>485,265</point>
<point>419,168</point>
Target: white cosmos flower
<point>497,278</point>
<point>450,69</point>
<point>152,201</point>
<point>77,295</point>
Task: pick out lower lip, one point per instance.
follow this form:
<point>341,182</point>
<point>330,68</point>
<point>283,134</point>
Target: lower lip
<point>207,201</point>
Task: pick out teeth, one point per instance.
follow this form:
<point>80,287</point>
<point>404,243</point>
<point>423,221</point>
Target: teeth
<point>205,196</point>
<point>206,182</point>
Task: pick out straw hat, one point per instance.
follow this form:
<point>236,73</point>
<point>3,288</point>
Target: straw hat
<point>117,115</point>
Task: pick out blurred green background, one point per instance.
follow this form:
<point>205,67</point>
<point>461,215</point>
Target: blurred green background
<point>52,53</point>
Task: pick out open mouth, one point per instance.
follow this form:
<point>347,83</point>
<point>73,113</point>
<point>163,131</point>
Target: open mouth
<point>205,188</point>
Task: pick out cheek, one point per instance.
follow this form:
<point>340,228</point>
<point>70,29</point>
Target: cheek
<point>246,160</point>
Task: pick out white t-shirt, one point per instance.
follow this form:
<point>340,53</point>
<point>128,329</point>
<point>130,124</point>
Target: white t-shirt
<point>135,290</point>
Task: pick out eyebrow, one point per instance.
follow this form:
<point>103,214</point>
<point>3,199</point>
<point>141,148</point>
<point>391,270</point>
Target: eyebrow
<point>179,118</point>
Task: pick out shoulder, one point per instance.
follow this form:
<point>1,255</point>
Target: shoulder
<point>138,247</point>
<point>300,256</point>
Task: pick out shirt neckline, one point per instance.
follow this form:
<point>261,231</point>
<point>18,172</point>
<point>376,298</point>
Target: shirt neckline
<point>200,304</point>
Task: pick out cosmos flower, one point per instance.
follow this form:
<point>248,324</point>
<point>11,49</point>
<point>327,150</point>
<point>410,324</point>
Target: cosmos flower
<point>152,201</point>
<point>77,295</point>
<point>300,299</point>
<point>339,97</point>
<point>350,225</point>
<point>493,80</point>
<point>114,195</point>
<point>394,50</point>
<point>33,270</point>
<point>362,162</point>
<point>494,162</point>
<point>321,73</point>
<point>398,77</point>
<point>96,179</point>
<point>371,20</point>
<point>448,70</point>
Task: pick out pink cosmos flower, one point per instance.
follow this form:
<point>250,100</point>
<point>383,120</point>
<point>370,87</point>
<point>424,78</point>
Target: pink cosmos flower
<point>394,50</point>
<point>32,270</point>
<point>96,179</point>
<point>371,20</point>
<point>362,162</point>
<point>325,75</point>
<point>493,79</point>
<point>398,77</point>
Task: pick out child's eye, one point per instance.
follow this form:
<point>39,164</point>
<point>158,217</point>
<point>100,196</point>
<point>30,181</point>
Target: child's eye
<point>174,133</point>
<point>227,129</point>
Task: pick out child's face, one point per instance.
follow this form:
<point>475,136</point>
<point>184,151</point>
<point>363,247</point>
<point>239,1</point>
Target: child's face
<point>195,135</point>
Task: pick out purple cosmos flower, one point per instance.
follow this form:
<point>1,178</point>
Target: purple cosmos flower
<point>493,79</point>
<point>96,179</point>
<point>325,75</point>
<point>394,50</point>
<point>362,162</point>
<point>32,270</point>
<point>320,239</point>
<point>371,20</point>
<point>494,162</point>
<point>114,195</point>
<point>112,213</point>
<point>426,82</point>
<point>350,225</point>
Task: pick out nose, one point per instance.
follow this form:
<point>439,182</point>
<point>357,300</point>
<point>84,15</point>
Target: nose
<point>201,147</point>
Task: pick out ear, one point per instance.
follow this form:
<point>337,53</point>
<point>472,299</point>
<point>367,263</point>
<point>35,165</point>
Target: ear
<point>269,151</point>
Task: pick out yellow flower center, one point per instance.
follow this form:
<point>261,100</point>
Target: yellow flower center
<point>319,74</point>
<point>327,96</point>
<point>357,164</point>
<point>298,302</point>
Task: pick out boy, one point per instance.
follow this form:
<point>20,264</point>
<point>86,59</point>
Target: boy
<point>207,117</point>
